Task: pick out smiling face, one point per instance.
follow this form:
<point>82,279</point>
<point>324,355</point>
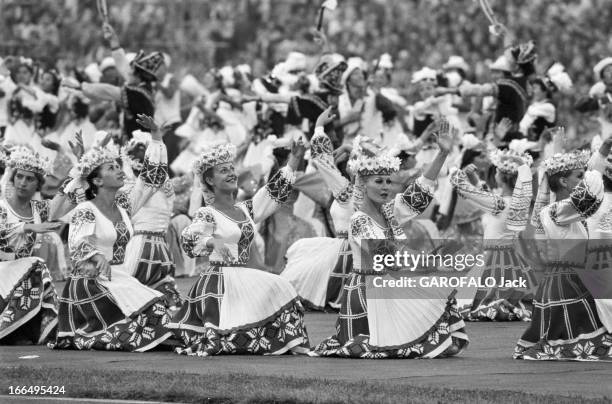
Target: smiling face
<point>222,178</point>
<point>26,184</point>
<point>110,175</point>
<point>379,188</point>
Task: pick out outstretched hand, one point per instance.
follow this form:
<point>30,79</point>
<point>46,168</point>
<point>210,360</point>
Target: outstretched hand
<point>110,36</point>
<point>77,147</point>
<point>149,123</point>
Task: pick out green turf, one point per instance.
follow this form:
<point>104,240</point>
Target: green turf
<point>183,387</point>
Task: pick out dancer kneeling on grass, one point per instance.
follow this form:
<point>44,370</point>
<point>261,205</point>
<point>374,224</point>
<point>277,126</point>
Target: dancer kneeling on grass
<point>232,309</point>
<point>148,256</point>
<point>102,307</point>
<point>418,323</point>
<point>28,302</point>
<point>567,322</point>
<point>506,216</point>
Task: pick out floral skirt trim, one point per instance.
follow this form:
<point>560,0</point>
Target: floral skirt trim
<point>501,310</point>
<point>90,318</point>
<point>30,310</point>
<point>504,304</point>
<point>284,332</point>
<point>139,333</point>
<point>594,346</point>
<point>447,337</point>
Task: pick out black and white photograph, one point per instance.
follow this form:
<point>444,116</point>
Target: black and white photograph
<point>305,201</point>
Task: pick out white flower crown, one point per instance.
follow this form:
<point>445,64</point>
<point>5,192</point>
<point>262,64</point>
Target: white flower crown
<point>383,164</point>
<point>23,158</point>
<point>566,162</point>
<point>225,153</point>
<point>93,159</point>
<point>508,161</point>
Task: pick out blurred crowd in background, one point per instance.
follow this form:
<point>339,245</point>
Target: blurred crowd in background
<point>200,34</point>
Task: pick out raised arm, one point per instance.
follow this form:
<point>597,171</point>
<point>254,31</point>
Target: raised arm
<point>321,152</point>
<point>278,189</point>
<point>485,200</point>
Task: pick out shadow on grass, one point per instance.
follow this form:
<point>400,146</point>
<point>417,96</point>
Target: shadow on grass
<point>237,387</point>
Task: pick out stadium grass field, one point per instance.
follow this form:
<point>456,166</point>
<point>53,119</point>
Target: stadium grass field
<point>484,373</point>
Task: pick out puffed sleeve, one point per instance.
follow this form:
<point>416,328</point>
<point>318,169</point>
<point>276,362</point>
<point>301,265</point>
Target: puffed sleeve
<point>583,202</point>
<point>270,197</point>
<point>413,201</point>
<point>9,232</point>
<point>152,176</point>
<point>81,237</point>
<point>196,235</point>
<point>485,200</point>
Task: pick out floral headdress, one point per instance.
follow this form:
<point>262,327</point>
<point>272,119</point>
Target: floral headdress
<point>93,159</point>
<point>23,158</point>
<point>566,162</point>
<point>508,161</point>
<point>225,153</point>
<point>383,164</point>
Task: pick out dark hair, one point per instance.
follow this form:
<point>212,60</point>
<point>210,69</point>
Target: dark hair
<point>508,179</point>
<point>554,181</point>
<point>92,191</point>
<point>56,80</point>
<point>540,82</point>
<point>607,184</point>
<point>80,109</point>
<point>143,75</point>
<point>39,177</point>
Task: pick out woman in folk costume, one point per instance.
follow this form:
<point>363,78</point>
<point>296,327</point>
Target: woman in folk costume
<point>136,96</point>
<point>565,324</point>
<point>542,113</point>
<point>597,273</point>
<point>148,256</point>
<point>102,307</point>
<point>420,324</point>
<point>319,280</point>
<point>28,302</point>
<point>506,215</point>
<point>600,98</point>
<point>233,309</point>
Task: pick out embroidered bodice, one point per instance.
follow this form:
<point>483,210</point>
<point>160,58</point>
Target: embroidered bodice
<point>564,222</point>
<point>14,241</point>
<point>93,233</point>
<point>208,222</point>
<point>405,207</point>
